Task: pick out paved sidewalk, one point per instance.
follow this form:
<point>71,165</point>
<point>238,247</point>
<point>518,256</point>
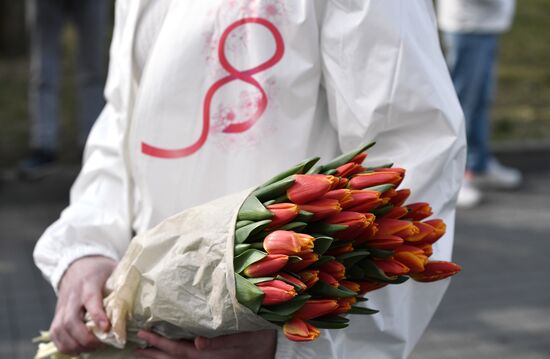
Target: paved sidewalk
<point>498,307</point>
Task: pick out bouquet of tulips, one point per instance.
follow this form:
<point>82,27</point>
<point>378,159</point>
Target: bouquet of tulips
<point>298,252</point>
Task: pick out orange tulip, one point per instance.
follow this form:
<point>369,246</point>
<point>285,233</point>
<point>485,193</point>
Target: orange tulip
<point>344,305</point>
<point>426,247</point>
<point>307,188</point>
<point>276,291</point>
<point>371,179</point>
<point>356,222</point>
<point>343,196</point>
<point>322,208</point>
<point>439,231</point>
<point>363,201</point>
<point>299,331</point>
<point>283,213</point>
<point>314,308</point>
<point>309,277</point>
<point>288,242</point>
<point>367,234</point>
<point>391,267</point>
<point>419,211</point>
<point>424,230</point>
<point>307,260</point>
<point>412,257</point>
<point>385,241</point>
<point>369,286</point>
<point>353,286</point>
<point>436,270</point>
<point>270,264</point>
<point>335,269</point>
<point>396,226</point>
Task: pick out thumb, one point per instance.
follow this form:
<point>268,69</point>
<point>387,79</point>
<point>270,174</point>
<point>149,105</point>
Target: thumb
<point>94,306</point>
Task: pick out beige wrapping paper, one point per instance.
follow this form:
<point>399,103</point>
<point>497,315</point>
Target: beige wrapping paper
<point>177,279</point>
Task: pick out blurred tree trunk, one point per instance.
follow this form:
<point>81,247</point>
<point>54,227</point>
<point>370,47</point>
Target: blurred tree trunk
<point>13,38</point>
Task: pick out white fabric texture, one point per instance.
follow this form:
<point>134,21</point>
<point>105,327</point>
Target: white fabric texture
<point>477,16</point>
<point>294,79</point>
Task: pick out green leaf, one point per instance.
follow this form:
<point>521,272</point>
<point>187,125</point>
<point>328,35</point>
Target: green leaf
<point>372,272</point>
<point>385,165</point>
<point>259,279</point>
<point>322,289</point>
<point>329,322</point>
<point>346,157</point>
<point>300,168</point>
<point>355,273</point>
<point>274,190</point>
<point>241,224</point>
<point>330,172</point>
<point>380,188</point>
<point>247,258</point>
<point>242,234</point>
<point>350,259</point>
<point>248,294</point>
<point>294,259</point>
<point>253,210</point>
<point>290,307</point>
<point>239,248</point>
<point>380,253</point>
<point>362,310</point>
<point>322,260</point>
<point>304,216</point>
<point>361,299</point>
<point>322,244</point>
<point>380,211</point>
<point>326,228</point>
<point>315,170</point>
<point>293,226</point>
<point>273,317</point>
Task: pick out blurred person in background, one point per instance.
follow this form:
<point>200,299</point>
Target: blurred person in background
<point>46,22</point>
<point>471,30</point>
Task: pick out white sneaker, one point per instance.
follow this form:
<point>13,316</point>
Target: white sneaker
<point>498,176</point>
<point>468,196</point>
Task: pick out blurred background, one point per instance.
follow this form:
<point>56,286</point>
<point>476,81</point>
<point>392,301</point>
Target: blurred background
<point>498,307</point>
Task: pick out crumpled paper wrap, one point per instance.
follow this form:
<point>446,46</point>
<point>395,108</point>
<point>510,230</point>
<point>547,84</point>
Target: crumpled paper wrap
<point>177,279</point>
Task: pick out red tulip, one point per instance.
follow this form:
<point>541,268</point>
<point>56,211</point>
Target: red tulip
<point>338,251</point>
<point>314,308</point>
<point>426,247</point>
<point>391,267</point>
<point>395,226</point>
<point>363,201</point>
<point>328,279</point>
<point>385,241</point>
<point>424,230</point>
<point>399,197</point>
<point>276,291</point>
<point>342,183</point>
<point>288,242</point>
<point>307,188</point>
<point>283,213</point>
<point>307,260</point>
<point>322,208</point>
<point>412,257</point>
<point>356,222</point>
<point>343,196</point>
<point>369,286</point>
<point>344,305</point>
<point>270,264</point>
<point>335,269</point>
<point>371,179</point>
<point>299,331</point>
<point>359,158</point>
<point>309,277</point>
<point>293,280</point>
<point>439,231</point>
<point>353,286</point>
<point>436,270</point>
<point>419,211</point>
<point>396,213</point>
<point>348,169</point>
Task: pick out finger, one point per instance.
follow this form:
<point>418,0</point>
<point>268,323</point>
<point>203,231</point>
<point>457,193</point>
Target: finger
<point>173,347</point>
<point>222,342</point>
<point>151,354</point>
<point>63,341</point>
<point>93,303</point>
<point>75,327</point>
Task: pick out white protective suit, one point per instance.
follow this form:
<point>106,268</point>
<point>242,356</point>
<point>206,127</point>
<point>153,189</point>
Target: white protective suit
<point>188,120</point>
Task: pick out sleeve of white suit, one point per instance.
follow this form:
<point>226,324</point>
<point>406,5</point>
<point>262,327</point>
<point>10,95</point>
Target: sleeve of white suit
<point>386,81</point>
<point>97,221</point>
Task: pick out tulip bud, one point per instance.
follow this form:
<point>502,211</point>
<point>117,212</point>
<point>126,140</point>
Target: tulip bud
<point>314,308</point>
<point>356,222</point>
<point>412,257</point>
<point>419,211</point>
<point>309,277</point>
<point>363,201</point>
<point>307,260</point>
<point>359,158</point>
<point>399,197</point>
<point>342,183</point>
<point>344,305</point>
<point>439,231</point>
<point>301,286</point>
<point>426,247</point>
<point>338,251</point>
<point>322,208</point>
<point>369,286</point>
<point>307,188</point>
<point>436,270</point>
<point>385,241</point>
<point>348,169</point>
<point>371,179</point>
<point>343,196</point>
<point>283,213</point>
<point>353,286</point>
<point>395,226</point>
<point>335,269</point>
<point>276,291</point>
<point>391,267</point>
<point>288,242</point>
<point>299,331</point>
<point>367,234</point>
<point>328,279</point>
<point>396,213</point>
<point>270,264</point>
<point>424,230</point>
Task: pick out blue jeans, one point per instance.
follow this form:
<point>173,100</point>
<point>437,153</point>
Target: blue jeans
<point>47,19</point>
<point>472,60</point>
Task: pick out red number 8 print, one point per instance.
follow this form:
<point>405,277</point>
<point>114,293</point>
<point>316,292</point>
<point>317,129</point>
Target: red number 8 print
<point>234,74</point>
